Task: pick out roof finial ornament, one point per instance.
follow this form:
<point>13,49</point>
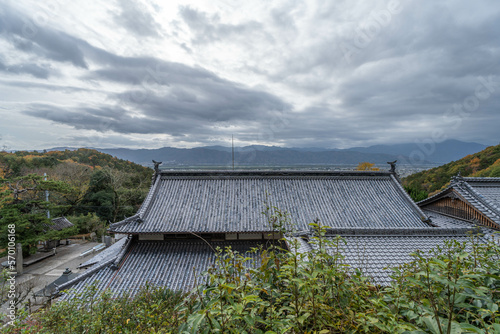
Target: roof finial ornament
<point>393,166</point>
<point>456,179</point>
<point>157,166</point>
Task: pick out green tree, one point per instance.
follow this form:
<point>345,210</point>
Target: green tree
<point>22,203</point>
<point>113,194</point>
<point>416,194</point>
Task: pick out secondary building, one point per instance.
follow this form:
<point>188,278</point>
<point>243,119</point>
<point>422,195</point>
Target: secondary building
<point>471,199</point>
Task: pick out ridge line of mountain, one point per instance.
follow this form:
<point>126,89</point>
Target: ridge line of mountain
<point>414,153</point>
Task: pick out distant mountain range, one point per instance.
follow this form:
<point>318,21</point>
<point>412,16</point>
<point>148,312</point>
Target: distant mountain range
<point>444,152</point>
<point>258,155</point>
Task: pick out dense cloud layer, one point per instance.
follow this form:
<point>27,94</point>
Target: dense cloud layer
<point>334,74</point>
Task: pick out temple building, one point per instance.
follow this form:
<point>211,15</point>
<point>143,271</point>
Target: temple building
<point>186,215</point>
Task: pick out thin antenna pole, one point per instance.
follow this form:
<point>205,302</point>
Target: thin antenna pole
<point>47,197</point>
<point>232,148</point>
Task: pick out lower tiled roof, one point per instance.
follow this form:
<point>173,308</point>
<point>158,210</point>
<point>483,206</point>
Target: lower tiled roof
<point>445,221</point>
<point>174,264</point>
<point>374,255</point>
<point>448,222</point>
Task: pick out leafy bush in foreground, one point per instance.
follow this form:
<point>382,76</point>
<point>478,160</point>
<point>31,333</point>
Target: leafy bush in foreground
<point>151,311</point>
<point>454,289</point>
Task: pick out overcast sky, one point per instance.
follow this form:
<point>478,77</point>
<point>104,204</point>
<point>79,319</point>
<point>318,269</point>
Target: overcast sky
<point>148,74</point>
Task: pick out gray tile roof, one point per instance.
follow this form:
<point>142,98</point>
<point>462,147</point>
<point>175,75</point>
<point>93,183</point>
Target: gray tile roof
<point>444,221</point>
<point>59,224</point>
<point>487,187</point>
<point>111,251</point>
<point>375,255</point>
<point>234,201</point>
<point>483,193</point>
<point>426,231</point>
<point>447,222</point>
<point>172,264</point>
<point>370,210</point>
<point>298,244</point>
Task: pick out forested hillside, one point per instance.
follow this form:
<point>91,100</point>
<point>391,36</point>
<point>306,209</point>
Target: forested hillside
<point>485,163</point>
<point>90,188</point>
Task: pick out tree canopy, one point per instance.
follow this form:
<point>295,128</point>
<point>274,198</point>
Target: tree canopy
<point>366,166</point>
<point>83,185</point>
<point>482,164</point>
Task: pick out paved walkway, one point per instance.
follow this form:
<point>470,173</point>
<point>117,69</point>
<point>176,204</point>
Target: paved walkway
<point>40,274</point>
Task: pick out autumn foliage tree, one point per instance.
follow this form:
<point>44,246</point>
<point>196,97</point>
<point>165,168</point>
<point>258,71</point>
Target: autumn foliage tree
<point>367,166</point>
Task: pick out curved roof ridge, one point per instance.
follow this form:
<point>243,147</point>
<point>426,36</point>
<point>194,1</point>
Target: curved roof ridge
<point>414,205</point>
<point>87,273</point>
<point>430,199</point>
<point>125,221</point>
<point>263,173</point>
<point>481,199</point>
<point>149,196</point>
<point>481,179</point>
<point>144,206</point>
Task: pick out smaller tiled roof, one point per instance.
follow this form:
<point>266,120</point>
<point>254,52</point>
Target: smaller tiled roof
<point>175,264</point>
<point>483,193</point>
<point>111,251</point>
<point>445,221</point>
<point>375,255</point>
<point>59,224</point>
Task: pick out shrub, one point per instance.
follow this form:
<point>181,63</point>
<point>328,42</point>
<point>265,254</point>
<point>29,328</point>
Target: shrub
<point>452,289</point>
<point>152,310</point>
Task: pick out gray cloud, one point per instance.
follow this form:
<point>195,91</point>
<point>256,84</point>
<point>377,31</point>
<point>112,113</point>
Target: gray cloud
<point>209,28</point>
<point>27,36</point>
<point>396,88</point>
<point>41,72</point>
<point>47,87</point>
<point>176,111</point>
<point>137,19</point>
<point>196,98</point>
